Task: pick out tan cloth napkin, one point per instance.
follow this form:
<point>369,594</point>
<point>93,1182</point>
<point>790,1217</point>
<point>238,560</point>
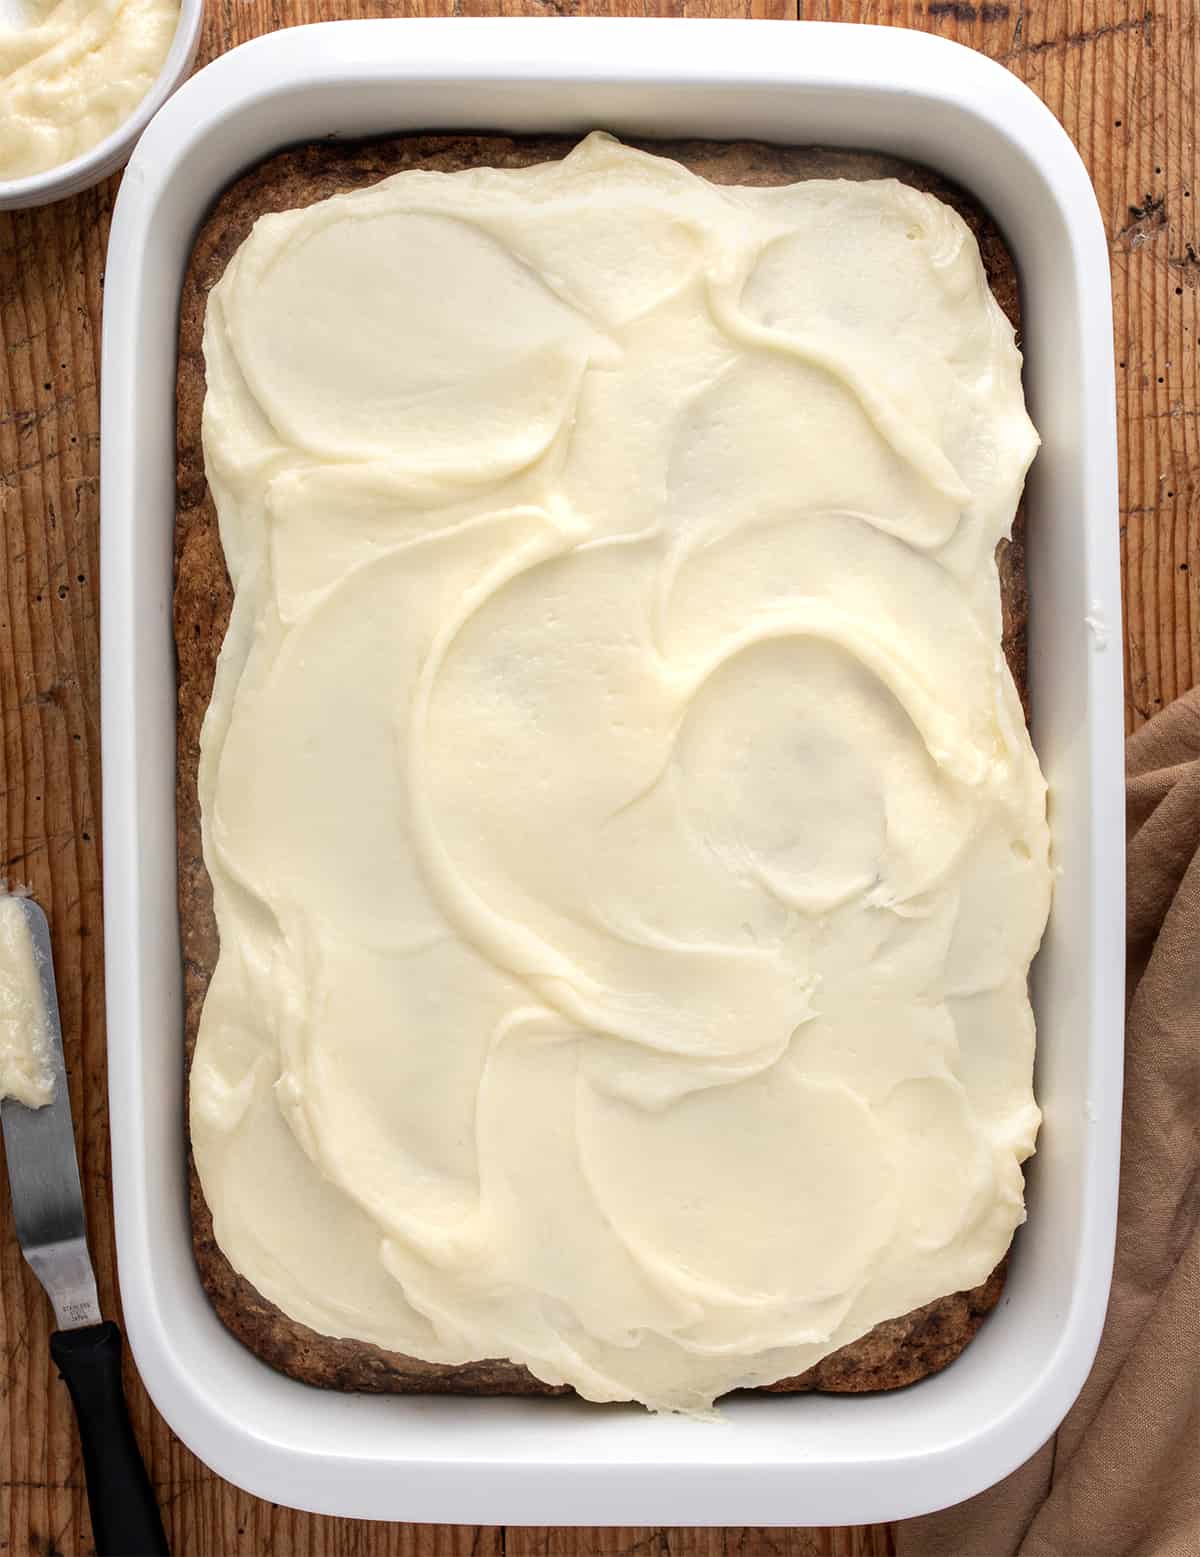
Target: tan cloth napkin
<point>1121,1477</point>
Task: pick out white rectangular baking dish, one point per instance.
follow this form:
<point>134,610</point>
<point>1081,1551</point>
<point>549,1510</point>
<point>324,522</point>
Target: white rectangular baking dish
<point>799,1460</point>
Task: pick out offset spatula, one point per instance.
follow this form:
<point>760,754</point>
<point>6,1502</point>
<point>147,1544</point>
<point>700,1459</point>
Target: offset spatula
<point>48,1209</point>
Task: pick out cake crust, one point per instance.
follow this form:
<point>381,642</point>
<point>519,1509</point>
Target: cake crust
<point>896,1352</point>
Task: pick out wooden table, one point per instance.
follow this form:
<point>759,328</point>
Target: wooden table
<point>1123,79</point>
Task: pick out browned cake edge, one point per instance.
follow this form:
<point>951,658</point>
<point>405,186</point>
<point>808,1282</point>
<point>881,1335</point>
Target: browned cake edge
<point>894,1353</point>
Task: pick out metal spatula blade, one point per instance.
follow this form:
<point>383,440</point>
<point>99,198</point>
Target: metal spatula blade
<point>43,1173</point>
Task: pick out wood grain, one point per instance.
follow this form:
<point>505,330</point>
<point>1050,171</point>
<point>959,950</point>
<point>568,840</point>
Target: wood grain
<point>1120,74</point>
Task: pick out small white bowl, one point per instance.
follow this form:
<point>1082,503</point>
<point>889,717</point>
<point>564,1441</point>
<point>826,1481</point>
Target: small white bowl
<point>68,178</point>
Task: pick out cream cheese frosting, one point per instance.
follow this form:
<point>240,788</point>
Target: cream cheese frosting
<point>25,1063</point>
<point>72,73</point>
<point>627,847</point>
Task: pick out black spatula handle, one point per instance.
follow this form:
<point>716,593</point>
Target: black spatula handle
<point>125,1517</point>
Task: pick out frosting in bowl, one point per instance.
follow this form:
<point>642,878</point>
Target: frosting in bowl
<point>73,73</point>
<point>627,847</point>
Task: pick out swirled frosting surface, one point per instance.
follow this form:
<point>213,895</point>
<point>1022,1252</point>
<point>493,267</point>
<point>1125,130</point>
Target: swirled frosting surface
<point>627,847</point>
